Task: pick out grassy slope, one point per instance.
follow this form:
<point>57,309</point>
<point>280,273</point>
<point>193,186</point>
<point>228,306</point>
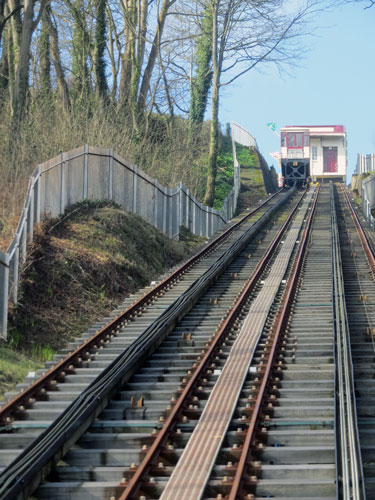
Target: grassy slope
<point>225,172</point>
<point>252,184</point>
<point>80,267</point>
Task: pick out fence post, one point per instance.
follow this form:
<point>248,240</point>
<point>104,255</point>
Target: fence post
<point>170,213</point>
<point>37,195</point>
<point>201,218</point>
<point>180,209</point>
<point>165,211</point>
<point>4,287</point>
<point>85,171</point>
<point>30,216</point>
<point>135,179</point>
<point>155,203</point>
<point>110,180</point>
<point>187,218</point>
<point>14,265</point>
<point>23,235</point>
<point>194,221</point>
<point>62,184</point>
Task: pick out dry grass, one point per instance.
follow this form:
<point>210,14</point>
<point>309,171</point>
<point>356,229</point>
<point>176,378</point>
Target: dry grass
<point>163,152</point>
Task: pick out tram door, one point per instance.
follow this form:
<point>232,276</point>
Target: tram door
<point>330,159</point>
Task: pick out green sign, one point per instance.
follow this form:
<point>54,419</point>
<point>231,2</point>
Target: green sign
<point>272,126</point>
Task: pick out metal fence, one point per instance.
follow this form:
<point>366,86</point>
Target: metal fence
<point>368,199</point>
<point>94,173</point>
<point>243,136</point>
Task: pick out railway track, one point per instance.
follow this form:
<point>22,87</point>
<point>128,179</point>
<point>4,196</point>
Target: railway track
<point>247,388</point>
<point>22,424</point>
<point>358,270</point>
<point>123,434</point>
<point>84,358</point>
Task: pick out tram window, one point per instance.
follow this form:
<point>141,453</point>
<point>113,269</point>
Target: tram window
<point>306,139</point>
<point>295,139</point>
<point>314,152</point>
<point>283,139</point>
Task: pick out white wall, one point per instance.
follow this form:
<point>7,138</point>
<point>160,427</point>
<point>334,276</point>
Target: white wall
<point>317,165</point>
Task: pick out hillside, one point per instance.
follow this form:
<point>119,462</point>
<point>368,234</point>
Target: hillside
<point>256,178</point>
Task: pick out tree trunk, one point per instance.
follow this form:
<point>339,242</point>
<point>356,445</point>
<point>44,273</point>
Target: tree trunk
<point>127,62</point>
<point>214,148</point>
<point>22,75</point>
<point>138,57</point>
<point>14,45</point>
<point>214,132</point>
<point>113,42</point>
<point>82,88</point>
<point>100,36</point>
<point>4,65</point>
<point>201,83</point>
<point>45,59</point>
<point>145,86</point>
<point>16,28</point>
<point>56,59</point>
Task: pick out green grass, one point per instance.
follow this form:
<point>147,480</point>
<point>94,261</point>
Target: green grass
<point>225,172</point>
<point>42,352</point>
<point>14,367</point>
<point>251,173</point>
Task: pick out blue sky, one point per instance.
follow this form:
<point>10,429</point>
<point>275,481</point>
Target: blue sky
<point>334,84</point>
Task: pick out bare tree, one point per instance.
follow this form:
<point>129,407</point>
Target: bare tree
<point>29,25</point>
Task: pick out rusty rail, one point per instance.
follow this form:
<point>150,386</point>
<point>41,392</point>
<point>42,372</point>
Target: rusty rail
<point>365,242</point>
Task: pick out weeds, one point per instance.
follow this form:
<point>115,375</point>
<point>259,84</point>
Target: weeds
<point>42,352</point>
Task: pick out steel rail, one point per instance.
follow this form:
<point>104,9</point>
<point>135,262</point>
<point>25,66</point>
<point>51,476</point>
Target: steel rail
<point>279,327</point>
<point>24,474</point>
<point>353,485</point>
<point>160,440</point>
<point>74,359</point>
<point>365,241</point>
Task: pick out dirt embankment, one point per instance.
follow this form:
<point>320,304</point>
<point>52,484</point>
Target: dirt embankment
<point>80,266</point>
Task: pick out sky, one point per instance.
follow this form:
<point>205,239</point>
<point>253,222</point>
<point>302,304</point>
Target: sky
<point>334,84</point>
